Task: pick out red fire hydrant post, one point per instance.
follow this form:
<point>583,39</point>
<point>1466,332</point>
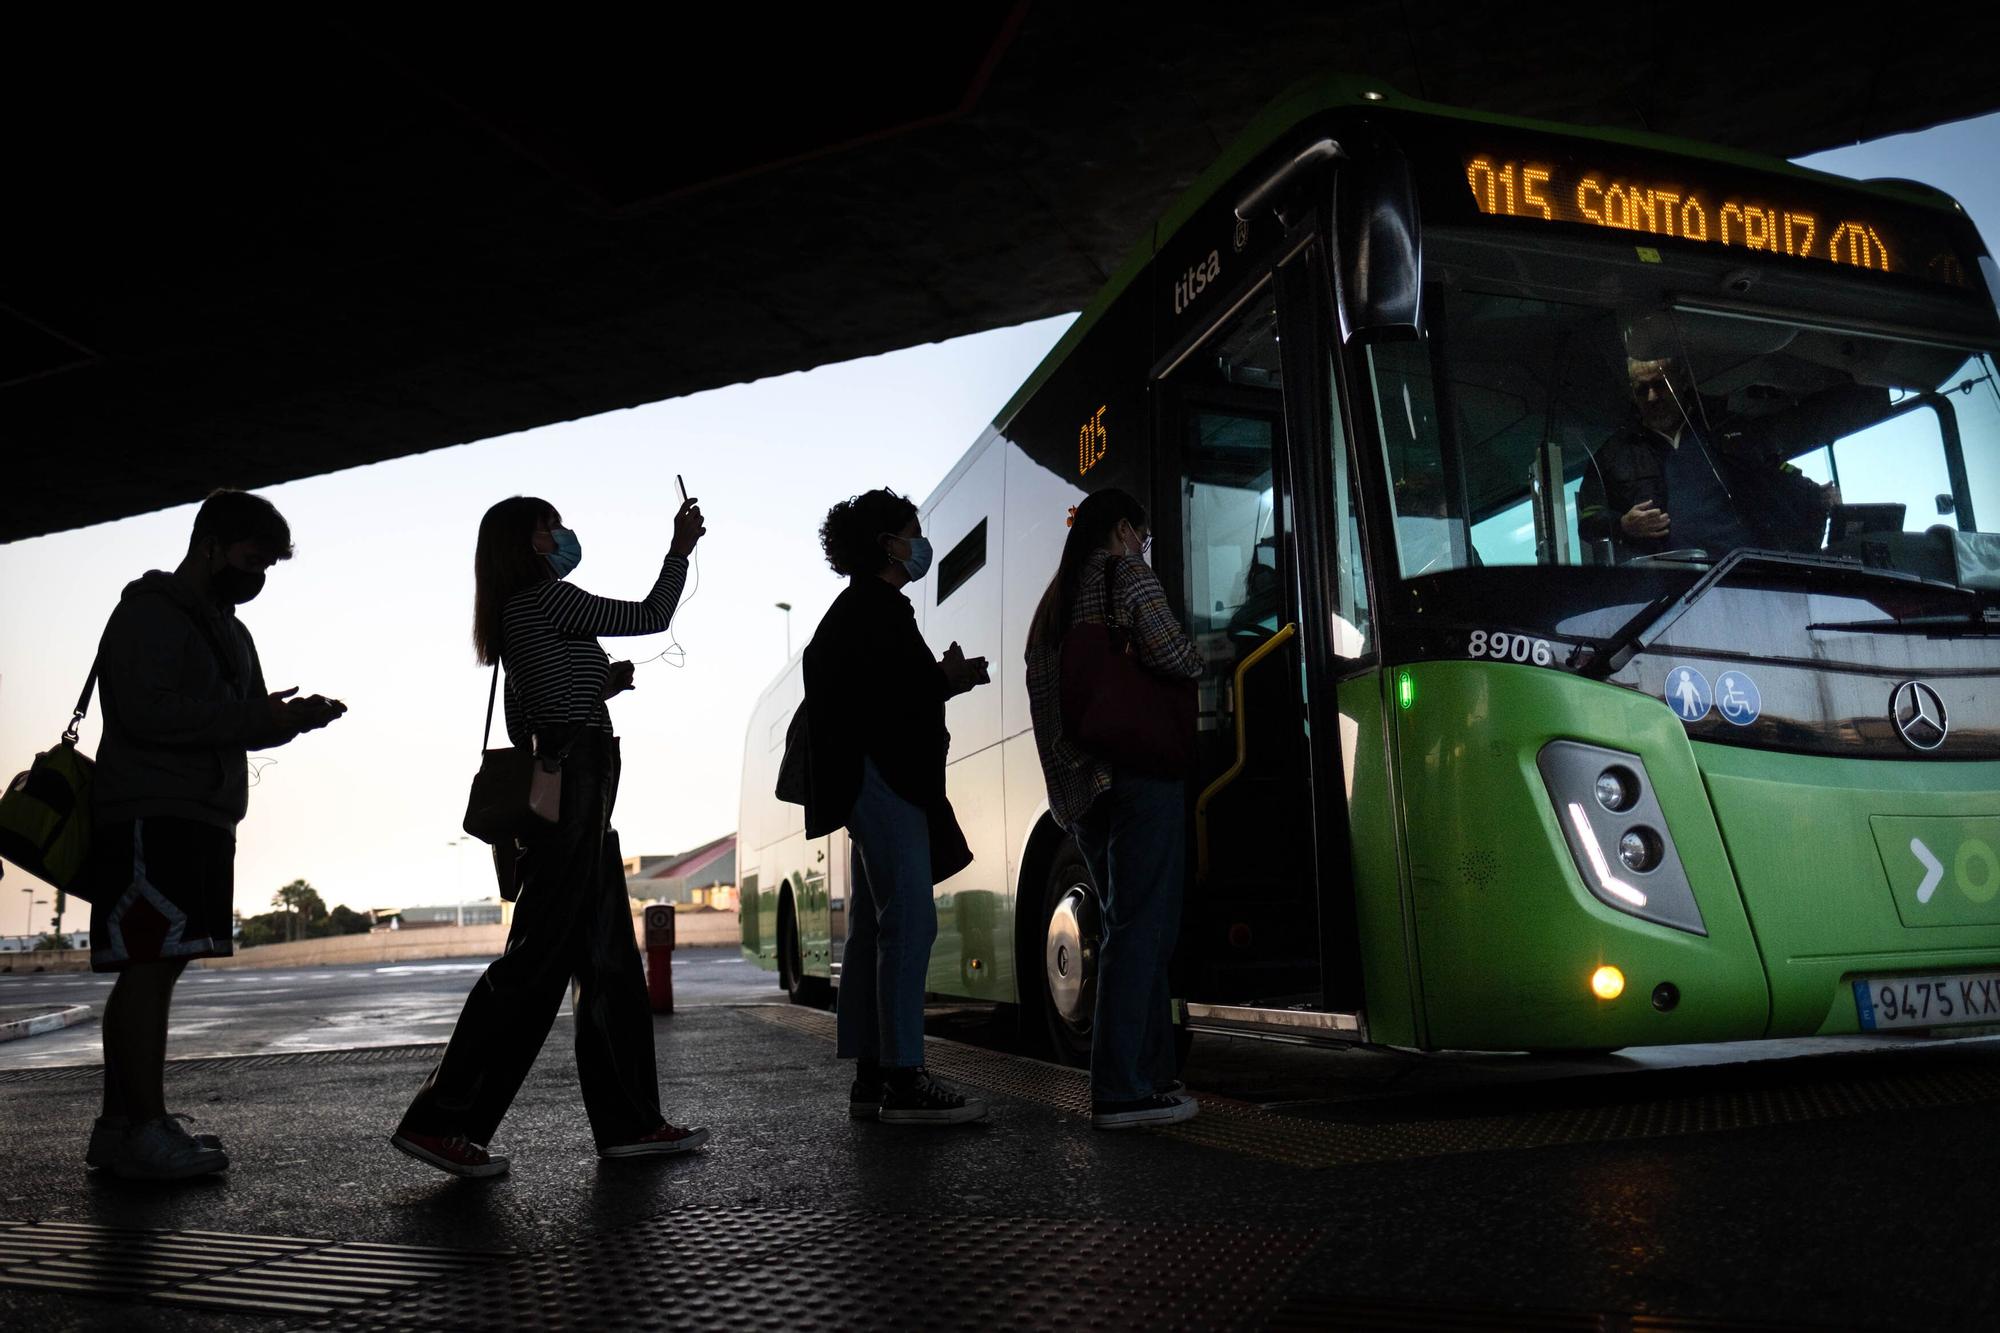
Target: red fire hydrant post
<point>660,957</point>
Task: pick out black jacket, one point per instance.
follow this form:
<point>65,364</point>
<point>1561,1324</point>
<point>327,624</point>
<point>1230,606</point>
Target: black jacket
<point>184,699</point>
<point>1782,507</point>
<point>874,690</point>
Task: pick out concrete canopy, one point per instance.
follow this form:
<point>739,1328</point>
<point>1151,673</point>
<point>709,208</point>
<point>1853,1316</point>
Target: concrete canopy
<point>249,250</point>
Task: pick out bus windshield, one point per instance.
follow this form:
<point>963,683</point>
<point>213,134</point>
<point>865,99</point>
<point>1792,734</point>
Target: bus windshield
<point>1557,432</point>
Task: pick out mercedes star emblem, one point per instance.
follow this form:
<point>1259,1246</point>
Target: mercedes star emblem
<point>1919,715</point>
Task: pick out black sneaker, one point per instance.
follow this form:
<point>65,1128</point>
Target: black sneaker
<point>915,1098</point>
<point>864,1096</point>
<point>1146,1112</point>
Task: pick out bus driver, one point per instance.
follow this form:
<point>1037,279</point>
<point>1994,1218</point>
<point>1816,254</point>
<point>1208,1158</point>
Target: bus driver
<point>1669,483</point>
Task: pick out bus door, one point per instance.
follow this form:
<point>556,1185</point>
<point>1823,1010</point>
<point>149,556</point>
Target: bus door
<point>1251,929</point>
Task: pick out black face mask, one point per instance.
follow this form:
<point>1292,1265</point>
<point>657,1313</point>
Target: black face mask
<point>235,586</point>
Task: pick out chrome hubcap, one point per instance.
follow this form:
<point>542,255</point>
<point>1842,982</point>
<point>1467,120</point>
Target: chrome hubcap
<point>1071,955</point>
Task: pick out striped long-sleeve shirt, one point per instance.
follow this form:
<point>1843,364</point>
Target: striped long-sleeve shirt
<point>556,672</point>
<point>1075,777</point>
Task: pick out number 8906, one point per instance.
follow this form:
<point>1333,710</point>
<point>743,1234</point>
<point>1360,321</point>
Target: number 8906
<point>1504,647</point>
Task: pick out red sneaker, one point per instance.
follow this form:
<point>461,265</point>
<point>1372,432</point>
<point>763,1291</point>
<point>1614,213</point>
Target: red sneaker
<point>662,1142</point>
<point>454,1153</point>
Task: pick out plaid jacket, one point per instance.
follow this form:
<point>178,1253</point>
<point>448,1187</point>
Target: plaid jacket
<point>1075,778</point>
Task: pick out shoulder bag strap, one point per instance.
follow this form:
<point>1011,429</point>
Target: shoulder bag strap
<point>492,694</point>
<point>82,705</point>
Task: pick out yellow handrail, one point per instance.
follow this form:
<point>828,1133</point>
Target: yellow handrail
<point>1264,650</point>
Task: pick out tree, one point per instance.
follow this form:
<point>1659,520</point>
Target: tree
<point>265,928</point>
<point>344,920</point>
<point>302,915</point>
<point>303,908</point>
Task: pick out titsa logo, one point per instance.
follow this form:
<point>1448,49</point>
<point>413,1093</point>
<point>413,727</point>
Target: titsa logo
<point>1196,280</point>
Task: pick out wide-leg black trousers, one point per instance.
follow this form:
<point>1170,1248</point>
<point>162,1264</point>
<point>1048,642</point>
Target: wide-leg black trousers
<point>573,921</point>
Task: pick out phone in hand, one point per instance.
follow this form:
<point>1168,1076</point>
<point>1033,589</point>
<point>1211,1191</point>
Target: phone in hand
<point>684,487</point>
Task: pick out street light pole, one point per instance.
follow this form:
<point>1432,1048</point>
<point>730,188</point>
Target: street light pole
<point>28,929</point>
<point>786,607</point>
<point>458,877</point>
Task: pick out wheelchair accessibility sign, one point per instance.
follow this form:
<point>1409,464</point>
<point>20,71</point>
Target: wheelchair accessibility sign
<point>1688,694</point>
<point>1737,698</point>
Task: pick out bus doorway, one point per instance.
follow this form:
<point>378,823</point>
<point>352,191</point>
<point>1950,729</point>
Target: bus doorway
<point>1251,931</point>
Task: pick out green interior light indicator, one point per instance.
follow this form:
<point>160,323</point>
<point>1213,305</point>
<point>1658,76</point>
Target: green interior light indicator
<point>1406,689</point>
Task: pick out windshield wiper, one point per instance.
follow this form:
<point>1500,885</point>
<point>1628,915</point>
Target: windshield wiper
<point>1983,621</point>
<point>1644,629</point>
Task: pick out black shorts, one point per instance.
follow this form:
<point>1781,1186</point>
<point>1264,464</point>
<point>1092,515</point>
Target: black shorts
<point>163,888</point>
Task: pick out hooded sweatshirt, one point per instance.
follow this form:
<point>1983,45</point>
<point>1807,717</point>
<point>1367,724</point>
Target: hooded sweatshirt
<point>184,699</point>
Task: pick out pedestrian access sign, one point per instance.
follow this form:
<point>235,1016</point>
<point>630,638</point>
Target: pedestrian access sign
<point>1688,694</point>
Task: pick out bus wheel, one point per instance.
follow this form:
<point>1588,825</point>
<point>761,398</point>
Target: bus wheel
<point>1071,930</point>
<point>799,988</point>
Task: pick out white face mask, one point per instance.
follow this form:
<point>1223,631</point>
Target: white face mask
<point>919,562</point>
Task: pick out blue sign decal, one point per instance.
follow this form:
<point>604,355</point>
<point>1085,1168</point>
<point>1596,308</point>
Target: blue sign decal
<point>1864,1006</point>
<point>1737,699</point>
<point>1687,694</point>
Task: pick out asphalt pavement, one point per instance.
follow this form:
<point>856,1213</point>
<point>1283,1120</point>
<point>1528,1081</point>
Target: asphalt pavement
<point>252,1012</point>
<point>1840,1184</point>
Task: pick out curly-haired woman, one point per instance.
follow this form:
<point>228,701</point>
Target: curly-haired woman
<point>875,724</point>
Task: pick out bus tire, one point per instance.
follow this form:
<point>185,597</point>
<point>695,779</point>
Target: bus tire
<point>799,988</point>
<point>1062,954</point>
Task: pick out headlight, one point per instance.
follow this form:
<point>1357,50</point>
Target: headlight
<point>1639,849</point>
<point>1617,833</point>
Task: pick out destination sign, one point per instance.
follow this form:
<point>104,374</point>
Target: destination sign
<point>1727,207</point>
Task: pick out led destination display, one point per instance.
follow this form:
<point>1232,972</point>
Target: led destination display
<point>1773,215</point>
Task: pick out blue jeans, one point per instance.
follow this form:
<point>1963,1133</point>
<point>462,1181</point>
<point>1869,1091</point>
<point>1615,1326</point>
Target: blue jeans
<point>891,924</point>
<point>1135,839</point>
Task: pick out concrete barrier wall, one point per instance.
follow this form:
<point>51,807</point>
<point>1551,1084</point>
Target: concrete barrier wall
<point>692,930</point>
<point>386,946</point>
<point>702,930</point>
<point>48,960</point>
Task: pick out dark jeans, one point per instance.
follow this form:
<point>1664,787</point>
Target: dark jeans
<point>572,921</point>
<point>891,925</point>
<point>1135,838</point>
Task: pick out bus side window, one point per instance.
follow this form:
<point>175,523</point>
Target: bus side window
<point>1430,533</point>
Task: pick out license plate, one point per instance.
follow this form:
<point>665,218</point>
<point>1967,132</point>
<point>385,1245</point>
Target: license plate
<point>1927,1002</point>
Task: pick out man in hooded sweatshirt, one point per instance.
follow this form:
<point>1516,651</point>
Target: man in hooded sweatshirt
<point>183,700</point>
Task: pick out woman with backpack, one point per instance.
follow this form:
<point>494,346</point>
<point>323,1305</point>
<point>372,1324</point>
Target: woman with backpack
<point>875,702</point>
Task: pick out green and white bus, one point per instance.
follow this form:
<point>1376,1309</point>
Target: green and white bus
<point>1485,762</point>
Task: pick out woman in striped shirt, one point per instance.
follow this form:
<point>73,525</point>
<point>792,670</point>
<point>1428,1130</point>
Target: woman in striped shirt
<point>572,920</point>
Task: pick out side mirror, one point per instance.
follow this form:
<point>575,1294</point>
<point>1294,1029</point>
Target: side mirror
<point>1378,246</point>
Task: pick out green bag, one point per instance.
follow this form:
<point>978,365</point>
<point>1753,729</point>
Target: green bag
<point>45,812</point>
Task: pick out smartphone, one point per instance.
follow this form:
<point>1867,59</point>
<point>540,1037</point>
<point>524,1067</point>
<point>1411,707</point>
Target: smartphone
<point>684,487</point>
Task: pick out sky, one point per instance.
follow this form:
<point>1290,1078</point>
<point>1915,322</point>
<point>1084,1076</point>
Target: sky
<point>375,609</point>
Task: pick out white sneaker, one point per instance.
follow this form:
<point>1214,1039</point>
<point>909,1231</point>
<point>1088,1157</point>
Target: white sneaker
<point>107,1136</point>
<point>159,1149</point>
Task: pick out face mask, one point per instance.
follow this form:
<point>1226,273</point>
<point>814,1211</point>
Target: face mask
<point>919,562</point>
<point>235,586</point>
<point>568,553</point>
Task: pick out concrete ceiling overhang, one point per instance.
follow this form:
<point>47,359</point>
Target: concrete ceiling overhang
<point>248,250</point>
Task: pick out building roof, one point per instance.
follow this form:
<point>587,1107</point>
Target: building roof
<point>681,865</point>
